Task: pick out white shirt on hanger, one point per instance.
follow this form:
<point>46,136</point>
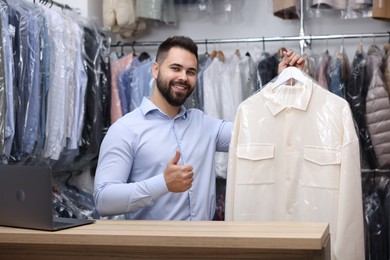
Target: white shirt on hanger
<point>294,156</point>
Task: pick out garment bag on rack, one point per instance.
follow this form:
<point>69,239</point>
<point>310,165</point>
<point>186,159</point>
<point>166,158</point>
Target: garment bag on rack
<point>294,156</point>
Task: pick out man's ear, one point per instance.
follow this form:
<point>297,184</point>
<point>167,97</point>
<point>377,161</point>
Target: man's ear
<point>155,69</point>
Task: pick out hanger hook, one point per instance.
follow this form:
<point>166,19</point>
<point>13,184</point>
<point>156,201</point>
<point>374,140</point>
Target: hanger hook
<point>342,44</point>
<point>263,44</point>
<point>132,47</point>
<point>327,42</point>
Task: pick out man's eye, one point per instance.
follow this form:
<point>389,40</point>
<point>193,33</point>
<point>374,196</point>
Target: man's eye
<point>191,73</point>
<point>175,69</point>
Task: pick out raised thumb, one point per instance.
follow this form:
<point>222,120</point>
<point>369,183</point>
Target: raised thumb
<point>176,158</point>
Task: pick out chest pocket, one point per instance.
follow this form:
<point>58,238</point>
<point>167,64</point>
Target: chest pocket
<point>255,164</point>
<point>321,167</point>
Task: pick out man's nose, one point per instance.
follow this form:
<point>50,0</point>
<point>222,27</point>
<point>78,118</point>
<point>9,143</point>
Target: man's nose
<point>183,75</point>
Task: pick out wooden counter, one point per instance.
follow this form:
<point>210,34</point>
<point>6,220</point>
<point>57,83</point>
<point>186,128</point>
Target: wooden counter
<point>123,239</point>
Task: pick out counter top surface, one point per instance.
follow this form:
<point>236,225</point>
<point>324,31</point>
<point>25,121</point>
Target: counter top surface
<point>267,235</point>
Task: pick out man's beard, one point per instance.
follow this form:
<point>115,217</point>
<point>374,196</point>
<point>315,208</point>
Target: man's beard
<point>173,98</point>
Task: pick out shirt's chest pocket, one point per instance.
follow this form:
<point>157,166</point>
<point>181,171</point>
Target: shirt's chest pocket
<point>255,164</point>
<point>321,168</point>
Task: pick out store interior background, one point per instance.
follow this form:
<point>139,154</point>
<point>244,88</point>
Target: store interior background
<point>257,21</point>
<point>250,19</point>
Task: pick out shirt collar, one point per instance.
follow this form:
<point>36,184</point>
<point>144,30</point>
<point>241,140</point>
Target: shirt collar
<point>284,96</point>
<point>148,106</point>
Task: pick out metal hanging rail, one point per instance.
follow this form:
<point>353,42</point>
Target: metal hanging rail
<point>306,38</point>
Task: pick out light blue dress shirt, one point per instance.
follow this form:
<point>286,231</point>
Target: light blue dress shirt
<point>135,153</point>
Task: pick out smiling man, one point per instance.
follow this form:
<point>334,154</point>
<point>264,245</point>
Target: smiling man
<point>157,162</point>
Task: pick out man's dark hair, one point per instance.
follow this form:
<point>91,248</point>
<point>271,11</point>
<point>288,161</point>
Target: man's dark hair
<point>183,42</point>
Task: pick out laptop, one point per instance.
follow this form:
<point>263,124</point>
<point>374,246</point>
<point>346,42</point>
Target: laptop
<point>26,199</point>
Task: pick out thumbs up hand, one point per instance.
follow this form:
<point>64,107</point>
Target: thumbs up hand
<point>178,177</point>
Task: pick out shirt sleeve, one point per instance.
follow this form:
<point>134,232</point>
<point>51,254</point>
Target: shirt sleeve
<point>112,194</point>
<point>348,242</point>
<point>224,136</point>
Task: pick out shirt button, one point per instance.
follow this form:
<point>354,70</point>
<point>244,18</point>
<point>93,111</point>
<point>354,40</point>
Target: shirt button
<point>289,144</point>
<point>289,178</point>
<point>289,211</point>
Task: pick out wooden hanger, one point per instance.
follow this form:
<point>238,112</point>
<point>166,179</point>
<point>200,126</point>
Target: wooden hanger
<point>290,73</point>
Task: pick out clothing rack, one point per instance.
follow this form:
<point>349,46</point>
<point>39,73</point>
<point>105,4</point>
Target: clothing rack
<point>51,3</point>
<point>306,39</point>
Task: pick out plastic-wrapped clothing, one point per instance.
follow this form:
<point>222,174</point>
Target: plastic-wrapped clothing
<point>142,83</point>
<point>125,86</point>
<point>159,10</point>
<point>376,215</point>
<point>45,48</point>
<point>267,68</point>
<point>222,85</point>
<point>97,102</point>
<point>118,13</point>
<point>196,98</point>
<point>117,67</point>
<point>19,22</point>
<point>248,74</point>
<point>72,202</point>
<point>32,83</point>
<point>57,96</point>
<point>3,99</point>
<point>322,70</point>
<point>311,61</point>
<point>335,4</point>
<point>294,156</point>
<point>386,67</point>
<point>386,208</point>
<point>378,108</point>
<point>339,73</point>
<point>80,83</point>
<point>360,5</point>
<point>39,70</point>
<point>105,82</point>
<point>286,9</point>
<point>136,82</point>
<point>9,80</point>
<point>121,18</point>
<point>356,92</point>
